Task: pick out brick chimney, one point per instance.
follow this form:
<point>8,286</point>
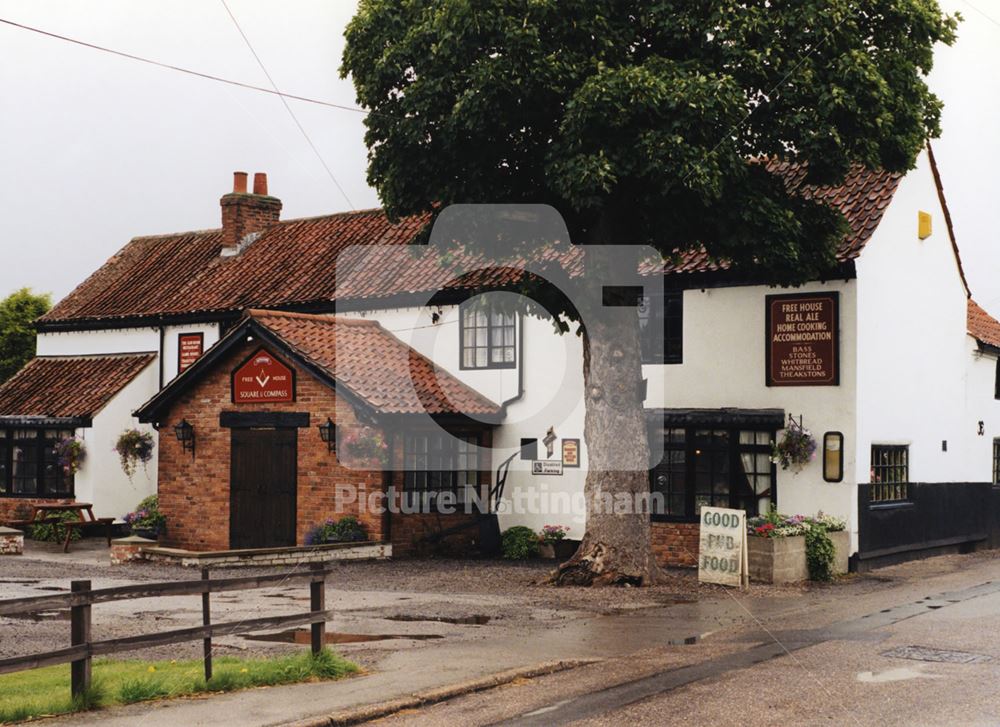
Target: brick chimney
<point>244,214</point>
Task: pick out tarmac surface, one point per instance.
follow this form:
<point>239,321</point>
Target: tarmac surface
<point>694,655</point>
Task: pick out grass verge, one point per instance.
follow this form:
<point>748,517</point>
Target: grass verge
<point>40,692</point>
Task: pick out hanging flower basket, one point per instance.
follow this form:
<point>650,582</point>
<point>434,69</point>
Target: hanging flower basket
<point>133,447</point>
<point>796,449</point>
<point>366,446</point>
<point>71,453</point>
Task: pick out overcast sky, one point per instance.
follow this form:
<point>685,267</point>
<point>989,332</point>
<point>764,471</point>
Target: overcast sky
<point>97,149</point>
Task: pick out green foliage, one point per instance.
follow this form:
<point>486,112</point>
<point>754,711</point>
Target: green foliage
<point>345,530</point>
<point>147,516</point>
<point>54,532</point>
<point>819,554</point>
<point>46,691</point>
<point>639,118</point>
<point>17,335</point>
<point>519,543</point>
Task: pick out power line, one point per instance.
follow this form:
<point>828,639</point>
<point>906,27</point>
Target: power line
<point>988,17</point>
<point>190,72</point>
<point>288,108</point>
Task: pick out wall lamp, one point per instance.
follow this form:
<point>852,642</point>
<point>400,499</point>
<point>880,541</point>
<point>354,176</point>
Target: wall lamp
<point>185,435</point>
<point>328,433</point>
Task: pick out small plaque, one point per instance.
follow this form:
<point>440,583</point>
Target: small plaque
<point>190,346</point>
<point>546,467</point>
<point>571,452</point>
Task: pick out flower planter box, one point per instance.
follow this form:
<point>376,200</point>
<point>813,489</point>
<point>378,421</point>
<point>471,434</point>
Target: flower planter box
<point>842,547</point>
<point>560,550</point>
<point>778,560</point>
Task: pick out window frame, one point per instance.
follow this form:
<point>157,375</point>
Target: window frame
<point>734,465</point>
<point>40,446</point>
<point>454,485</point>
<point>672,349</point>
<point>489,310</point>
<point>893,489</point>
<point>996,379</point>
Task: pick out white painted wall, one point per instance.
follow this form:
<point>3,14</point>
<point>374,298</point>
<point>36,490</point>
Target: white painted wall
<point>980,406</point>
<point>101,480</point>
<point>912,340</point>
<point>115,340</point>
<point>724,354</point>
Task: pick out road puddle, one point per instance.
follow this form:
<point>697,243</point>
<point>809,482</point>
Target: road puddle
<point>476,620</point>
<point>893,675</point>
<point>304,636</point>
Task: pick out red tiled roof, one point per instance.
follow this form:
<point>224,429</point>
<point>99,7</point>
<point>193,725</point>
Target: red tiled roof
<point>375,365</point>
<point>293,262</point>
<point>77,386</point>
<point>981,325</point>
<point>862,199</point>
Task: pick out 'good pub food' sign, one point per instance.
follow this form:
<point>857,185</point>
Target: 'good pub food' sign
<point>803,340</point>
<point>722,546</point>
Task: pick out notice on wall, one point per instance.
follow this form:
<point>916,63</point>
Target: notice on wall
<point>803,339</point>
<point>190,346</point>
<point>547,467</point>
<point>263,378</point>
<point>722,547</point>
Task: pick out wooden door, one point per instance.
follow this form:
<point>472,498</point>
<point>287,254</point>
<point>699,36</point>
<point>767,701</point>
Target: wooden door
<point>262,488</point>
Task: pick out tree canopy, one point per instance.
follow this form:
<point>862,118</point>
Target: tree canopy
<point>648,114</point>
<point>17,335</point>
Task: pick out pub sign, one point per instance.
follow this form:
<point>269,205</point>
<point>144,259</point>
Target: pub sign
<point>190,346</point>
<point>263,378</point>
<point>803,339</point>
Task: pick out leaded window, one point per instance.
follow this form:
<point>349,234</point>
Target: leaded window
<point>439,462</point>
<point>488,337</point>
<point>29,464</point>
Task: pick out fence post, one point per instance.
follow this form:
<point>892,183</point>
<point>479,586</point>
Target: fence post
<point>317,602</point>
<point>79,631</point>
<point>206,620</point>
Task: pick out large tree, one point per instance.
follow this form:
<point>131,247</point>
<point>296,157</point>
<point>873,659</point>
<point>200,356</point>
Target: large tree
<point>17,334</point>
<point>639,122</point>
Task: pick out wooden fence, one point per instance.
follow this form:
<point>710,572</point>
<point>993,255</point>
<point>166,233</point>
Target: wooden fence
<point>81,598</point>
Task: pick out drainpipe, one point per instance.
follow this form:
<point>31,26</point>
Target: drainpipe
<point>162,337</point>
<point>520,368</point>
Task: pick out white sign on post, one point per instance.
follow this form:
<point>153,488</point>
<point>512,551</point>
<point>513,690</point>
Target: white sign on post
<point>722,547</point>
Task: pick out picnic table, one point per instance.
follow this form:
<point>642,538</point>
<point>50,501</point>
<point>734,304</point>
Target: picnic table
<point>47,513</point>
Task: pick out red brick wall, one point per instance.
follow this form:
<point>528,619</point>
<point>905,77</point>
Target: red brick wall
<point>245,213</point>
<point>675,544</point>
<point>194,491</point>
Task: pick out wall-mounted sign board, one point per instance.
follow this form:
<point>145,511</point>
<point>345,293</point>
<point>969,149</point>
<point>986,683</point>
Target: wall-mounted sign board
<point>190,347</point>
<point>722,546</point>
<point>571,452</point>
<point>263,378</point>
<point>803,339</point>
<point>547,467</point>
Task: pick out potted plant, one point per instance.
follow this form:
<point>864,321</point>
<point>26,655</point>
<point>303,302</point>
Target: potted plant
<point>134,446</point>
<point>796,448</point>
<point>346,530</point>
<point>70,454</point>
<point>146,520</point>
<point>552,542</point>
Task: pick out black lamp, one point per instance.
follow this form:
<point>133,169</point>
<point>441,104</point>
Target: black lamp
<point>328,433</point>
<point>185,435</point>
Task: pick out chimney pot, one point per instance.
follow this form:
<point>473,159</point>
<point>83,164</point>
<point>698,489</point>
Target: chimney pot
<point>239,182</point>
<point>260,183</point>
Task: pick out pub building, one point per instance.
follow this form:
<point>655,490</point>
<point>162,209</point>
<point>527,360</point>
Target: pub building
<point>260,376</point>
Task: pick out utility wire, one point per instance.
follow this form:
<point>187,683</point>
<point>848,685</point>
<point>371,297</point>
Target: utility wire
<point>190,72</point>
<point>288,108</point>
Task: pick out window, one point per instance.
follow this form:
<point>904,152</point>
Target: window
<point>714,467</point>
<point>669,348</point>
<point>29,466</point>
<point>890,472</point>
<point>487,337</point>
<point>996,380</point>
<point>440,462</point>
<point>996,461</point>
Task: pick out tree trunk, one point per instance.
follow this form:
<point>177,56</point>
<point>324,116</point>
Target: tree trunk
<point>616,547</point>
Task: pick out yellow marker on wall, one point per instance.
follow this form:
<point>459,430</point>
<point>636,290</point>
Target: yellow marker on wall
<point>923,225</point>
